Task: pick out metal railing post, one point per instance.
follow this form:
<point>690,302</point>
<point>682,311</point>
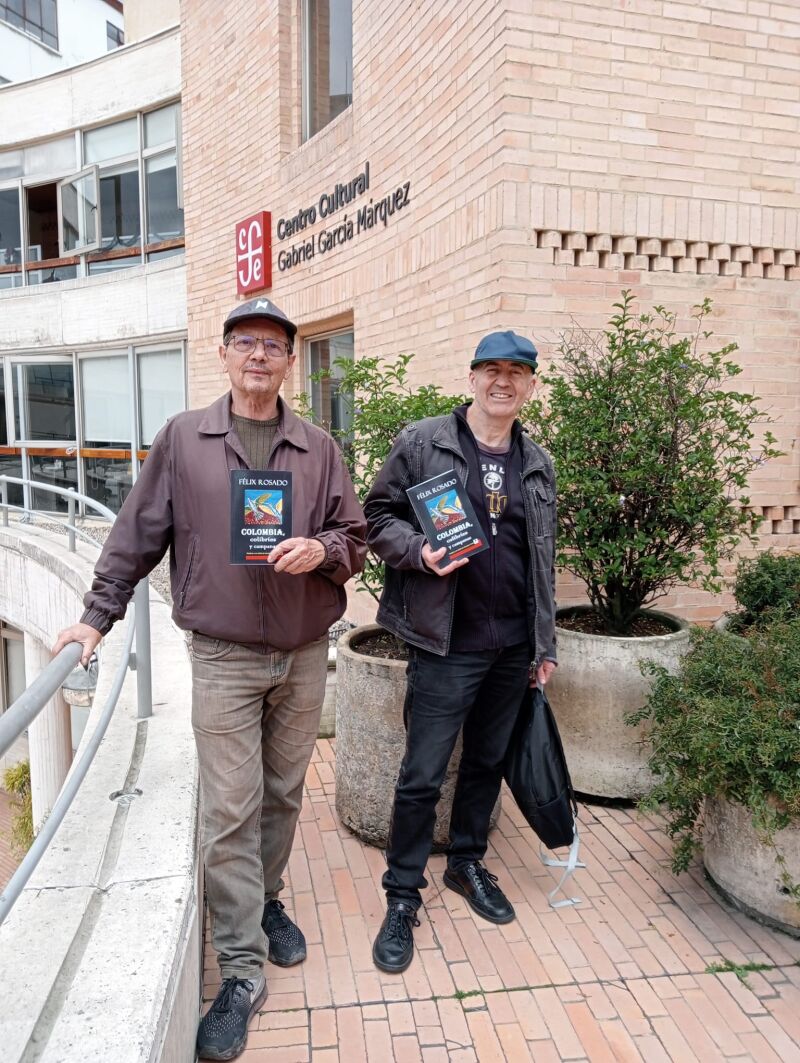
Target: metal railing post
<point>71,524</point>
<point>144,683</point>
<point>4,500</point>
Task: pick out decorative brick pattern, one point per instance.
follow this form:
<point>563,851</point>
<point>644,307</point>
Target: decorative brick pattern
<point>667,255</point>
<point>622,976</point>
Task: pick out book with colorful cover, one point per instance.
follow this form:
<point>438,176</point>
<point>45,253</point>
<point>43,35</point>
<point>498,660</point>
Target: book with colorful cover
<point>447,517</point>
<point>261,514</point>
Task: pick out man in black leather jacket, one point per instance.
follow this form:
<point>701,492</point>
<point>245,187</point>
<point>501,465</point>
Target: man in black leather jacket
<point>479,629</point>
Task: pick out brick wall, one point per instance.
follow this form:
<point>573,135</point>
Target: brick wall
<point>556,152</point>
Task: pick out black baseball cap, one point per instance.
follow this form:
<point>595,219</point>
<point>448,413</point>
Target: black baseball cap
<point>259,308</point>
<point>505,347</point>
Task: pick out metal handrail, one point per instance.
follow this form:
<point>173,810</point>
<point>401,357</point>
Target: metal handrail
<point>32,700</point>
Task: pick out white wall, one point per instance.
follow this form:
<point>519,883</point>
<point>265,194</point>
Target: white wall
<point>81,36</point>
<point>119,83</point>
<point>143,18</point>
<point>134,303</point>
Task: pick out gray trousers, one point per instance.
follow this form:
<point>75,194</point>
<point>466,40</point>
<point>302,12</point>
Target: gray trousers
<point>255,718</point>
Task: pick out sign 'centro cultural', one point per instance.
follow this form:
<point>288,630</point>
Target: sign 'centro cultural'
<point>365,216</point>
<point>254,234</point>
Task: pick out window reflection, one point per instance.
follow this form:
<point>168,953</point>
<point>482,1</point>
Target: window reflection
<point>164,216</point>
<point>329,61</point>
<point>45,409</point>
<point>59,471</point>
<point>108,480</point>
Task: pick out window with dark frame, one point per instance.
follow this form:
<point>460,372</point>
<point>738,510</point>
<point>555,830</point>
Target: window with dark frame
<point>36,17</point>
<point>327,62</point>
<point>115,36</point>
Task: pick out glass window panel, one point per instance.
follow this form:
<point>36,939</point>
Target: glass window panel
<point>160,390</point>
<point>329,403</point>
<point>44,401</point>
<point>10,235</point>
<point>79,197</point>
<point>168,252</point>
<point>4,440</point>
<point>50,19</point>
<point>52,273</point>
<point>160,127</point>
<point>164,216</point>
<point>111,141</point>
<point>114,265</point>
<point>11,465</point>
<point>61,472</point>
<point>50,158</point>
<point>13,662</point>
<point>119,207</point>
<point>115,38</point>
<point>11,164</point>
<point>106,401</point>
<point>329,54</point>
<point>108,480</point>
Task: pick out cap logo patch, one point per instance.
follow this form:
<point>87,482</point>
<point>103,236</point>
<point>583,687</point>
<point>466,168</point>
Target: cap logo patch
<point>262,304</point>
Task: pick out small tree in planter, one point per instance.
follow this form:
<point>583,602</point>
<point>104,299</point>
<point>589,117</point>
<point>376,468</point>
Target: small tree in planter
<point>725,735</point>
<point>653,454</point>
<point>653,450</point>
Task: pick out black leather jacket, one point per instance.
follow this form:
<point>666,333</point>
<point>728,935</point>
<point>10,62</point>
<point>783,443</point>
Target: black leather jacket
<point>417,605</point>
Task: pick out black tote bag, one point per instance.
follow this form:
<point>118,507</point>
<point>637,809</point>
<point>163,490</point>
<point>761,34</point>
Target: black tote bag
<point>537,774</point>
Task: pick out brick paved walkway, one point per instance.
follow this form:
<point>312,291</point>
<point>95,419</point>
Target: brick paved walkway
<point>621,977</point>
<point>8,862</point>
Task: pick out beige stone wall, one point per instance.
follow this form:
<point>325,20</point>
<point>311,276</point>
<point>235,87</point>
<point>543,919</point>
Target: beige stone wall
<point>556,153</point>
<point>143,18</point>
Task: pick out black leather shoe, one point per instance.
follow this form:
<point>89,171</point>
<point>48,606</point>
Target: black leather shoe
<point>480,888</point>
<point>223,1028</point>
<point>287,945</point>
<point>393,950</point>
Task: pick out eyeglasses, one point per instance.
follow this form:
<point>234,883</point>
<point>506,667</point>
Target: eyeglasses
<point>249,345</point>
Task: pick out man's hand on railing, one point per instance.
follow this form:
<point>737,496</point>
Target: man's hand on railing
<point>87,635</point>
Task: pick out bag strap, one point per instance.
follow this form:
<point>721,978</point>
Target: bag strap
<point>570,865</point>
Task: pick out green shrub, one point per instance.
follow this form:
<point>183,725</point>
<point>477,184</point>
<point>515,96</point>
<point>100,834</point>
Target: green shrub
<point>767,584</point>
<point>653,454</point>
<point>728,725</point>
<point>17,780</point>
<point>380,402</point>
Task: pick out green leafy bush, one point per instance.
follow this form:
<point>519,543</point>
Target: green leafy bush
<point>728,725</point>
<point>766,585</point>
<point>17,780</point>
<point>653,453</point>
<point>380,402</point>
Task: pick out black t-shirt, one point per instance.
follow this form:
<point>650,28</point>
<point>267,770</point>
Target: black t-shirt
<point>490,608</point>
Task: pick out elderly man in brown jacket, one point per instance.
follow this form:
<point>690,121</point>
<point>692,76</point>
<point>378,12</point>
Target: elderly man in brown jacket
<point>259,636</point>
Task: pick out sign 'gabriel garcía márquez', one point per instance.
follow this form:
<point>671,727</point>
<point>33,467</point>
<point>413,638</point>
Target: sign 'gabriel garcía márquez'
<point>343,229</point>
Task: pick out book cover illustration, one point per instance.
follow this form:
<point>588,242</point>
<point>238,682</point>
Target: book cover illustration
<point>446,516</point>
<point>261,514</point>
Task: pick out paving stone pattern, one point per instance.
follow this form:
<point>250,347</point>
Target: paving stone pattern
<point>8,860</point>
<point>621,977</point>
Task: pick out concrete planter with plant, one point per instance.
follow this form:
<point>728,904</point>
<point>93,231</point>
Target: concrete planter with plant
<point>725,738</point>
<point>653,451</point>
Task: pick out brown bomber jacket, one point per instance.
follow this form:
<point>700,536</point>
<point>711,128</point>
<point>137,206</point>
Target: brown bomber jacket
<point>180,502</point>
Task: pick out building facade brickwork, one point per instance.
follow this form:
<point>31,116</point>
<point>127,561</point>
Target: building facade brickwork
<point>554,152</point>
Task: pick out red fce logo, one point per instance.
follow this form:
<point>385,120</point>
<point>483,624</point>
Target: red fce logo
<point>254,253</point>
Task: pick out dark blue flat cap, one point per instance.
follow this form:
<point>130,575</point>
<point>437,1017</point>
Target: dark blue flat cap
<point>505,347</point>
<point>254,309</point>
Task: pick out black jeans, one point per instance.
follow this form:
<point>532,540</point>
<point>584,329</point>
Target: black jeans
<point>481,691</point>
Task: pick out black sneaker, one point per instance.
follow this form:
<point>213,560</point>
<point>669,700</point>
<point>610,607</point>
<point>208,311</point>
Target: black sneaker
<point>223,1028</point>
<point>482,893</point>
<point>287,945</point>
<point>393,950</point>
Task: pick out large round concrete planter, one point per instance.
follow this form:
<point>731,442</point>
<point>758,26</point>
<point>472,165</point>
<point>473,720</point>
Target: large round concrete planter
<point>370,741</point>
<point>597,682</point>
<point>744,869</point>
